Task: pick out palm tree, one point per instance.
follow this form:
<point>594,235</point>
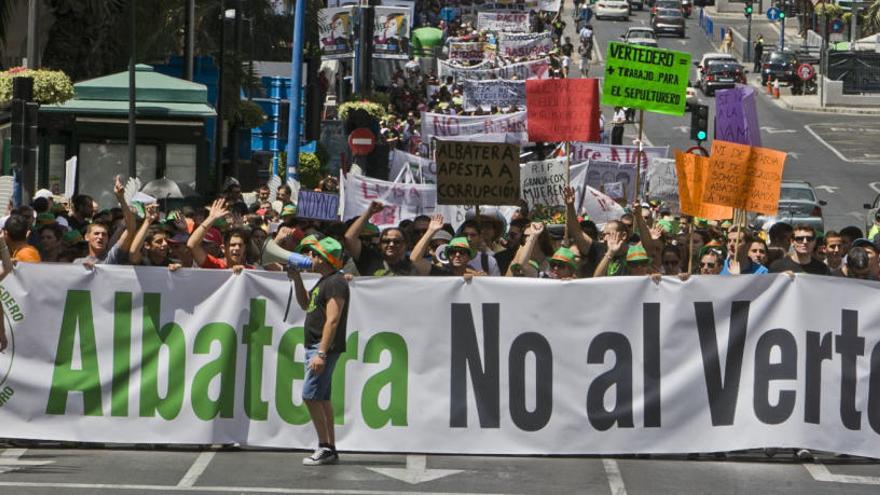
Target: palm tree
<point>871,19</point>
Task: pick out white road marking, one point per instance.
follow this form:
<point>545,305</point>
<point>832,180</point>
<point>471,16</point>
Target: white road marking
<point>195,471</point>
<point>10,460</point>
<point>224,489</point>
<point>857,214</point>
<point>821,473</point>
<point>682,128</point>
<point>773,130</point>
<point>796,156</point>
<point>615,480</point>
<point>875,186</point>
<point>828,189</point>
<point>832,148</point>
<point>416,471</point>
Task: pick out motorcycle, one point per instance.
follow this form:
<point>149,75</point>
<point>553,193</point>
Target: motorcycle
<point>686,8</point>
<point>808,87</point>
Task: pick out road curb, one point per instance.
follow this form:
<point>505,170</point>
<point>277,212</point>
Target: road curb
<point>784,103</point>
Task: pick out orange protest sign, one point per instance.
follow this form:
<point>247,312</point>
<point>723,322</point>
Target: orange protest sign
<point>743,176</point>
<point>693,171</point>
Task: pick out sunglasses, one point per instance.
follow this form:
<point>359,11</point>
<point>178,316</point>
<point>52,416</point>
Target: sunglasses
<point>707,265</point>
<point>804,238</point>
<point>455,252</point>
<point>391,241</point>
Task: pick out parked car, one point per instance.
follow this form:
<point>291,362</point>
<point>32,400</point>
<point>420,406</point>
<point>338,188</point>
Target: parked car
<point>778,66</point>
<point>668,21</point>
<point>637,4</point>
<point>618,9</point>
<point>798,203</point>
<point>873,214</point>
<point>640,36</point>
<point>721,74</point>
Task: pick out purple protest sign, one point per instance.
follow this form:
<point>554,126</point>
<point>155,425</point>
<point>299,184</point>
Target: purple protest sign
<point>736,116</point>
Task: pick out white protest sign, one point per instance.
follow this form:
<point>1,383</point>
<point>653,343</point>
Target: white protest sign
<point>442,125</point>
<point>582,152</point>
<point>600,173</point>
<point>466,52</point>
<point>531,69</point>
<point>424,170</point>
<point>496,93</point>
<point>542,182</point>
<point>661,179</point>
<point>402,201</point>
<point>599,206</point>
<point>614,190</point>
<point>70,177</point>
<point>503,21</point>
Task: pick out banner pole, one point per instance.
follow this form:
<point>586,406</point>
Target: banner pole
<point>691,246</point>
<point>567,184</point>
<point>639,155</point>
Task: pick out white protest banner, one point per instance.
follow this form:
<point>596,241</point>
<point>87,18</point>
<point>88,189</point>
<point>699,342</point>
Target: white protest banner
<point>582,151</point>
<point>542,182</point>
<point>530,45</point>
<point>509,377</point>
<point>466,52</point>
<point>336,35</point>
<point>503,21</point>
<point>424,170</point>
<point>661,179</point>
<point>497,93</point>
<point>402,201</point>
<point>69,177</point>
<point>391,32</point>
<point>531,69</point>
<point>442,125</point>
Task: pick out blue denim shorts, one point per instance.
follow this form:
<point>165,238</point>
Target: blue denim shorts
<point>317,387</point>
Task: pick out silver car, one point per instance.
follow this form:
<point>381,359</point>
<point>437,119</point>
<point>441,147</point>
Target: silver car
<point>798,204</point>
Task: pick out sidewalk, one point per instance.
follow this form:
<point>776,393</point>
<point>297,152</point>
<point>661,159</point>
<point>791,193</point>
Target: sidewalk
<point>771,31</point>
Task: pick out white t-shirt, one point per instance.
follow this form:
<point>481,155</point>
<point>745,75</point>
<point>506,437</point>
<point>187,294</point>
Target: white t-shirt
<point>477,263</point>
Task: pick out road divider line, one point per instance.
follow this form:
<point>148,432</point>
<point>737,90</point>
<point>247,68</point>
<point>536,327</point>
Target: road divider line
<point>832,148</point>
<point>615,480</point>
<point>197,469</point>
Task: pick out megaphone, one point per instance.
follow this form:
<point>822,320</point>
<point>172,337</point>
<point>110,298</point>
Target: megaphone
<point>273,253</point>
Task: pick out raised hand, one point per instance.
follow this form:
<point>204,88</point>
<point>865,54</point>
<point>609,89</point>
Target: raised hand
<point>568,195</point>
<point>436,223</point>
<point>376,207</point>
<point>218,209</point>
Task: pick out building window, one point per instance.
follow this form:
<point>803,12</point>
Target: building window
<point>99,163</point>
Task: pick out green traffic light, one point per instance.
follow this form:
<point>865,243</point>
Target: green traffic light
<point>701,135</point>
<point>749,10</point>
<point>782,14</point>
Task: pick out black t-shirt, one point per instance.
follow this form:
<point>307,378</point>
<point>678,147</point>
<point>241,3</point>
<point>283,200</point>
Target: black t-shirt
<point>330,286</point>
<point>504,258</point>
<point>371,263</point>
<point>814,267</point>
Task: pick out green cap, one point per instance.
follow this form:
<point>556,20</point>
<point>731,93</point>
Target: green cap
<point>329,249</point>
<point>45,218</point>
<point>668,226</point>
<point>460,243</point>
<point>370,229</point>
<point>637,254</point>
<point>72,237</point>
<point>565,256</point>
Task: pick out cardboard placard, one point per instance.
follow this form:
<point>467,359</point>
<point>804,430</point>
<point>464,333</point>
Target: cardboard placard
<point>662,181</point>
<point>470,173</point>
<point>693,171</point>
<point>315,205</point>
<point>745,177</point>
<point>563,110</point>
<point>497,93</point>
<point>736,116</point>
<point>542,182</point>
<point>651,79</point>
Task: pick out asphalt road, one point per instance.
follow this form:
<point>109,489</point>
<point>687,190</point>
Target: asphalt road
<point>838,154</point>
<point>42,471</point>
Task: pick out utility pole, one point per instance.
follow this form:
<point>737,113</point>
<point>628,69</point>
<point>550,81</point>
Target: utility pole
<point>189,50</point>
<point>296,61</point>
<point>132,91</point>
<point>33,44</point>
<point>236,58</point>
<point>218,121</point>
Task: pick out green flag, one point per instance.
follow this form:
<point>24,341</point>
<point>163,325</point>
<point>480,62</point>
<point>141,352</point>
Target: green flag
<point>651,79</point>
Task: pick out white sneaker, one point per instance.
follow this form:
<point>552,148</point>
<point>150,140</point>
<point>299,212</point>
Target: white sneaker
<point>321,456</point>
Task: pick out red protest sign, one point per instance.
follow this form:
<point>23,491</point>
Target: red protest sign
<point>562,109</point>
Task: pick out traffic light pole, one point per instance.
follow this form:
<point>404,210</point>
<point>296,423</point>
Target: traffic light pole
<point>749,54</point>
<point>782,31</point>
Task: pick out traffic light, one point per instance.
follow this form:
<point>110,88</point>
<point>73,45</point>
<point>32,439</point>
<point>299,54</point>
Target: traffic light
<point>781,12</point>
<point>749,9</point>
<point>699,122</point>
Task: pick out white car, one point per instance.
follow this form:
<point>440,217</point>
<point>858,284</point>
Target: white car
<point>701,65</point>
<point>640,36</point>
<point>618,9</point>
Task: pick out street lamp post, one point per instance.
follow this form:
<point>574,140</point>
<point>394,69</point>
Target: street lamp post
<point>218,121</point>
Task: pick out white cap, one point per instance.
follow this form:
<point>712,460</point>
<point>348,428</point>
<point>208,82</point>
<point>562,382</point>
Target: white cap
<point>43,193</point>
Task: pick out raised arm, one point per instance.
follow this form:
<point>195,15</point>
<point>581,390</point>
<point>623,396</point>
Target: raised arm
<point>124,241</point>
<point>423,266</point>
<point>194,243</point>
<point>135,253</point>
<point>524,253</point>
<point>652,246</point>
<point>353,234</point>
<point>581,239</point>
<point>302,297</point>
